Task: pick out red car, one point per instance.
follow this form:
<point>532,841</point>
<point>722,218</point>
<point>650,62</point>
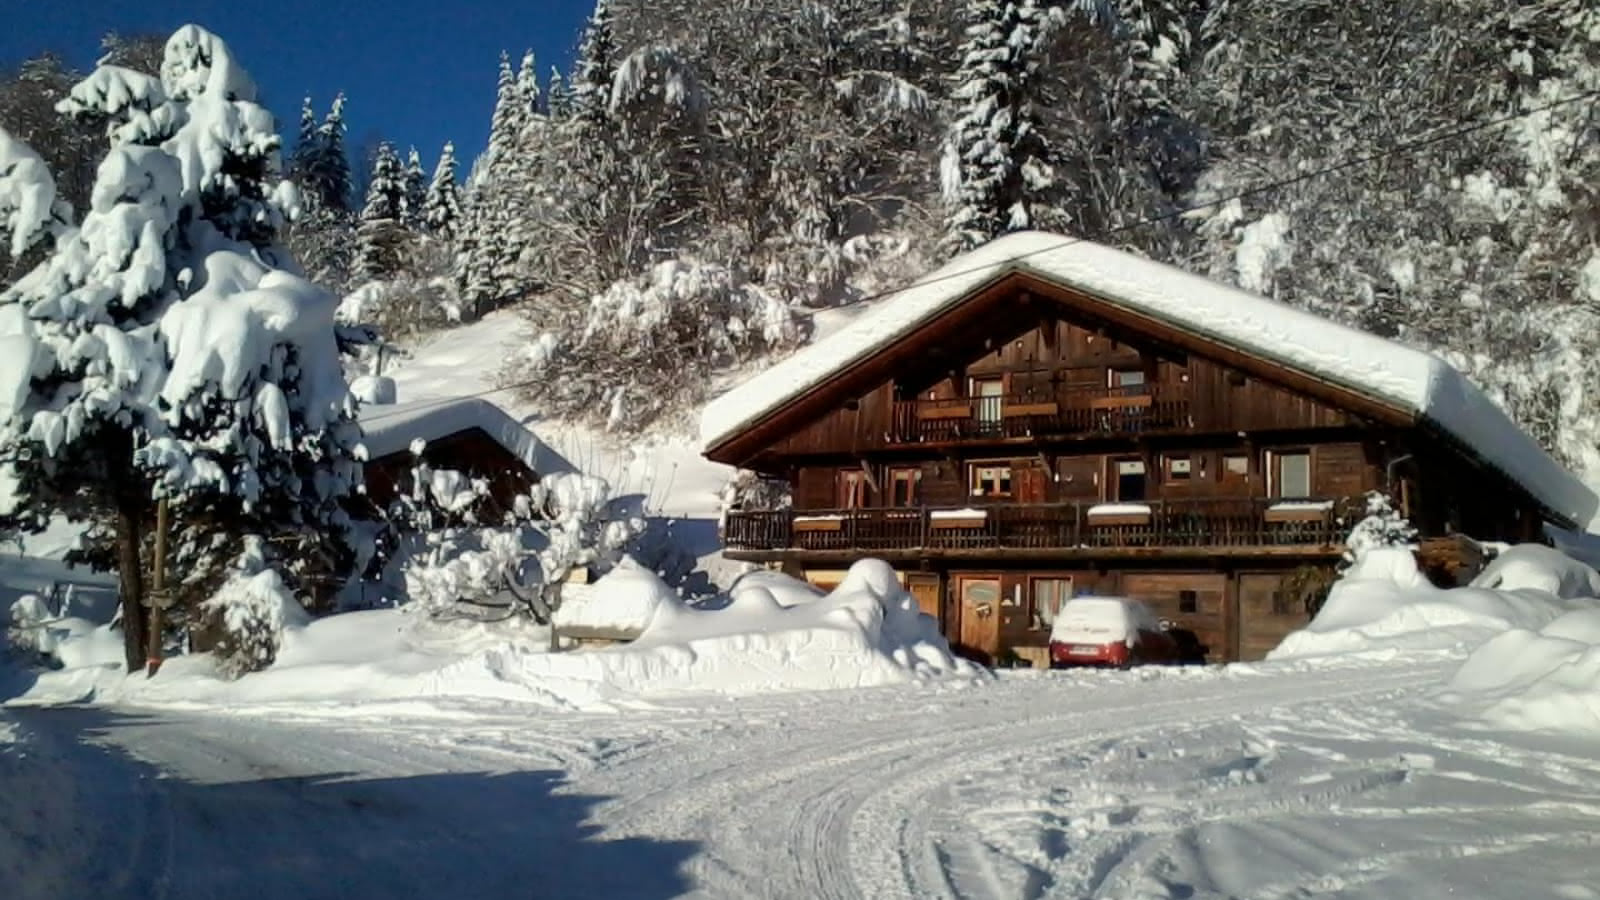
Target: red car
<point>1111,631</point>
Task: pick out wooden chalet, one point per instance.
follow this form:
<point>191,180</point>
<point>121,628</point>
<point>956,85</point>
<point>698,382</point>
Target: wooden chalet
<point>468,435</point>
<point>1045,418</point>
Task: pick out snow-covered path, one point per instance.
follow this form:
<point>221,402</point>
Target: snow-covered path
<point>1333,782</point>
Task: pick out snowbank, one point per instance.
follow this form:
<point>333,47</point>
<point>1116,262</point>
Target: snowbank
<point>774,634</point>
<point>1544,681</point>
<point>621,602</point>
<point>1384,604</point>
<point>1396,375</point>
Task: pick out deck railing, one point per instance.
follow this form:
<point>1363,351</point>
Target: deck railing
<point>1127,410</point>
<point>1259,522</point>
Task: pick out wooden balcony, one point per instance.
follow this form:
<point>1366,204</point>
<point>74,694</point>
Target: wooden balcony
<point>1106,411</point>
<point>1229,524</point>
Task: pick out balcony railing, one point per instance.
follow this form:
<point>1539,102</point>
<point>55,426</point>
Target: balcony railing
<point>1261,522</point>
<point>1130,410</point>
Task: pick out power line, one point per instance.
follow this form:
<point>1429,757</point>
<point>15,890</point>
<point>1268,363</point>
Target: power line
<point>1447,133</point>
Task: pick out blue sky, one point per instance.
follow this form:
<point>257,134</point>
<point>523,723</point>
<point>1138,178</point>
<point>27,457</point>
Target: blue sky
<point>415,71</point>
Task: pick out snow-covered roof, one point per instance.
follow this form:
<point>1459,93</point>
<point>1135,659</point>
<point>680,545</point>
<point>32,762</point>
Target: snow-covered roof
<point>1402,377</point>
<point>390,429</point>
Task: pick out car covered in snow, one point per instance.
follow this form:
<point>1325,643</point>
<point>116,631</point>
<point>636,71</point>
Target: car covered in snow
<point>1113,631</point>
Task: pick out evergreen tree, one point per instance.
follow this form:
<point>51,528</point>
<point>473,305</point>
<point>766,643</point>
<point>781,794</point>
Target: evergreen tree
<point>330,170</point>
<point>416,187</point>
<point>996,170</point>
<point>380,236</point>
<point>441,209</point>
<point>528,87</point>
<point>558,101</point>
<point>1158,39</point>
<point>506,121</point>
<point>167,356</point>
<point>597,66</point>
<point>305,145</point>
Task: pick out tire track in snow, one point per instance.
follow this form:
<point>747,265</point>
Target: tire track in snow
<point>840,807</point>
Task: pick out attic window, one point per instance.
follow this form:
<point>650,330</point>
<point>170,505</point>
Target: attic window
<point>1236,379</point>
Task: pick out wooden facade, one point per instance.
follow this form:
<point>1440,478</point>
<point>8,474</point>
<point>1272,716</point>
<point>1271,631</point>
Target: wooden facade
<point>1032,443</point>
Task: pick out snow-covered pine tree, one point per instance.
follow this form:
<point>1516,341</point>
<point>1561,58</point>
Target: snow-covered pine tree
<point>302,157</point>
<point>381,235</point>
<point>558,100</point>
<point>161,350</point>
<point>441,207</point>
<point>1382,526</point>
<point>996,171</point>
<point>598,58</point>
<point>486,256</point>
<point>330,170</point>
<point>1157,34</point>
<point>528,85</point>
<point>504,124</point>
<point>416,190</point>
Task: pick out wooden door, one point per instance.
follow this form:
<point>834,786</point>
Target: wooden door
<point>1029,481</point>
<point>851,489</point>
<point>979,629</point>
<point>1267,613</point>
<point>924,588</point>
<point>1197,601</point>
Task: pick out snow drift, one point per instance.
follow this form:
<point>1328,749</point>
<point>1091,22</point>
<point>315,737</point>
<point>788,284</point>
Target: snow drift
<point>1543,681</point>
<point>774,634</point>
<point>1383,603</point>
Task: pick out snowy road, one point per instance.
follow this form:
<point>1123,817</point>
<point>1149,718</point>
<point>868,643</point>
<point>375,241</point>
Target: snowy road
<point>1330,783</point>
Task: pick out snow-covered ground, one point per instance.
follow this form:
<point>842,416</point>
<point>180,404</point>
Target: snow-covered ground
<point>1278,780</point>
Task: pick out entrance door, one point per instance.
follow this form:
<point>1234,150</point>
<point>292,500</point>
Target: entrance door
<point>924,589</point>
<point>979,636</point>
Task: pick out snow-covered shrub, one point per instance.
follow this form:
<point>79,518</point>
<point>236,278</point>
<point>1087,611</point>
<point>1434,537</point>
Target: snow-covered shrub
<point>648,346</point>
<point>250,611</point>
<point>450,548</point>
<point>25,626</point>
<point>1383,526</point>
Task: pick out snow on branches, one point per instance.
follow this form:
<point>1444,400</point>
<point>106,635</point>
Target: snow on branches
<point>162,348</point>
<point>649,345</point>
<point>453,546</point>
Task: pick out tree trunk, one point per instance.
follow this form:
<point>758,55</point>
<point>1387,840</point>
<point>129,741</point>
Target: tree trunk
<point>130,577</point>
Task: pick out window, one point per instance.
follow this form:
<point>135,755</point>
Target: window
<point>1048,595</point>
<point>1188,602</point>
<point>905,487</point>
<point>1291,474</point>
<point>988,396</point>
<point>1235,467</point>
<point>1127,381</point>
<point>852,488</point>
<point>1128,480</point>
<point>991,481</point>
<point>1179,468</point>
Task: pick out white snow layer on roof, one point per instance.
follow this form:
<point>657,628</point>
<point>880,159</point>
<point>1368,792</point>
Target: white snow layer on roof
<point>1404,377</point>
<point>391,429</point>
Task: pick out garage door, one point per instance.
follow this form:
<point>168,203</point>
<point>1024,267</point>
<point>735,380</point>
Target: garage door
<point>1266,614</point>
<point>1196,601</point>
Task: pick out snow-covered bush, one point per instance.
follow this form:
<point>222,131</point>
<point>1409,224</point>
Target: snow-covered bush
<point>450,547</point>
<point>1383,526</point>
<point>648,346</point>
<point>249,611</point>
<point>25,625</point>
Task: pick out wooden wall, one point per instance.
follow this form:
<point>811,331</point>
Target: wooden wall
<point>1054,361</point>
<point>1338,469</point>
<point>1236,614</point>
